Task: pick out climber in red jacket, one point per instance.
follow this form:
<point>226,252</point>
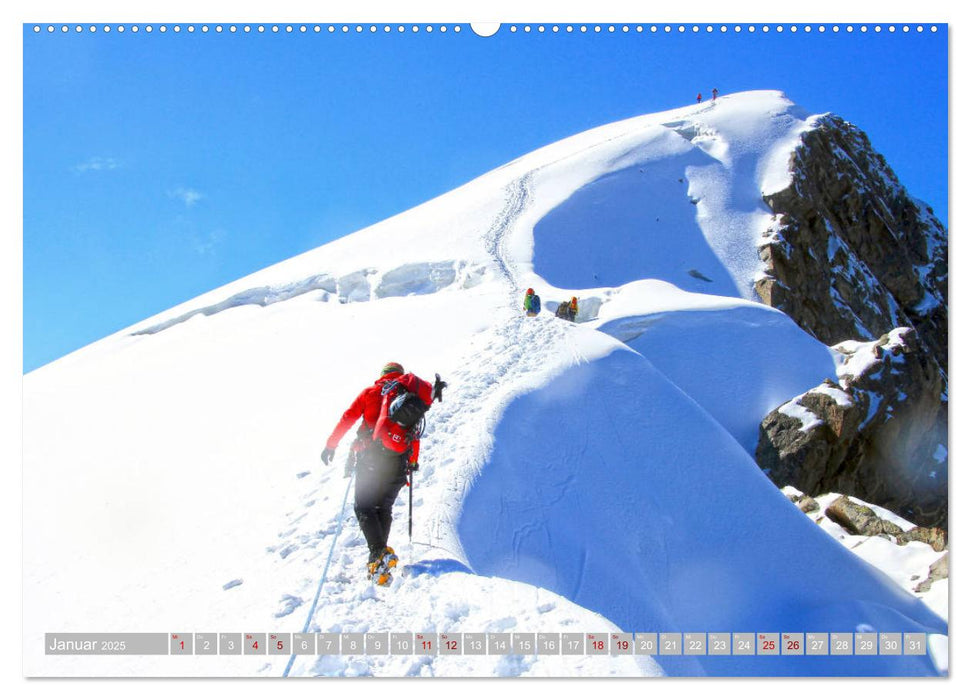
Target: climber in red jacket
<point>384,453</point>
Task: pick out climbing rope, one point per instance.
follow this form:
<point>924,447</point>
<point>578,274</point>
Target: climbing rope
<point>323,576</point>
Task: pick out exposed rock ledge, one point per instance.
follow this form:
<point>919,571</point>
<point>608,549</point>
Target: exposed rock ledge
<point>868,435</point>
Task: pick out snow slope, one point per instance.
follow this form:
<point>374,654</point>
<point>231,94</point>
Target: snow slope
<point>575,478</point>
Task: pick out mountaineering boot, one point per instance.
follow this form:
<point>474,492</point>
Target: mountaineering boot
<point>379,573</point>
<point>379,567</point>
<point>389,558</point>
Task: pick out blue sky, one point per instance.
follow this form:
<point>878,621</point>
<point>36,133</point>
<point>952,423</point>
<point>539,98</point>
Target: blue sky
<point>159,166</point>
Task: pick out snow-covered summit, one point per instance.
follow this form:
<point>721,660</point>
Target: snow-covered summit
<point>593,464</point>
<point>680,186</point>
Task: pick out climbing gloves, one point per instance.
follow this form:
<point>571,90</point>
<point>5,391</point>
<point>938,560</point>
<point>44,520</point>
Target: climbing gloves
<point>327,455</point>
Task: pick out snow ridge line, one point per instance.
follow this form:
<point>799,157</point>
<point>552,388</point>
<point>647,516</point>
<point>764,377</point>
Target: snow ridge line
<point>323,576</point>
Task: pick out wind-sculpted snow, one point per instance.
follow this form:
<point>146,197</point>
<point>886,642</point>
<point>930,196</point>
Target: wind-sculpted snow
<point>260,296</point>
<point>416,278</point>
<point>434,591</point>
<point>605,487</point>
<point>643,211</point>
<point>737,363</point>
<point>690,215</point>
<point>358,286</point>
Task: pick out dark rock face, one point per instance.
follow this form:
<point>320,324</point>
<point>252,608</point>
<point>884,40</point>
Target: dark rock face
<point>876,436</point>
<point>851,257</point>
<point>809,457</point>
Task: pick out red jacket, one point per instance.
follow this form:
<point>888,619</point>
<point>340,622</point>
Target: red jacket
<point>373,408</point>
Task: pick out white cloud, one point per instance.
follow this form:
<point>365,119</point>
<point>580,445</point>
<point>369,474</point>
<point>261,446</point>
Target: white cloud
<point>97,163</point>
<point>187,195</point>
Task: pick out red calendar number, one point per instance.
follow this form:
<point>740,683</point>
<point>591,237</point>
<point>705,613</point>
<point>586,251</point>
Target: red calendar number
<point>792,645</point>
<point>768,645</point>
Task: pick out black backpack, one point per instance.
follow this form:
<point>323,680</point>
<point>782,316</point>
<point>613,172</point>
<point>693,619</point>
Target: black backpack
<point>407,410</point>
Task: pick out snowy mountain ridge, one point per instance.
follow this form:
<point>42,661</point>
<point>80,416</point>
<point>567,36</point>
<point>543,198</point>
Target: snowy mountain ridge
<point>438,244</point>
<point>573,479</point>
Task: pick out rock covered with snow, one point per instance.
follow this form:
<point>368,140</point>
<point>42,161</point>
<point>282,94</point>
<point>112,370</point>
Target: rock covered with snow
<point>858,519</point>
<point>850,254</point>
<point>933,536</point>
<point>807,439</point>
<point>877,435</point>
<point>908,554</point>
<point>807,504</point>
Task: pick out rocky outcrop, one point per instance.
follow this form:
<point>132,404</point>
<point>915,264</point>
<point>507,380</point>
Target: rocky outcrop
<point>862,266</point>
<point>934,536</point>
<point>850,254</point>
<point>861,520</point>
<point>857,519</point>
<point>807,504</point>
<point>869,435</point>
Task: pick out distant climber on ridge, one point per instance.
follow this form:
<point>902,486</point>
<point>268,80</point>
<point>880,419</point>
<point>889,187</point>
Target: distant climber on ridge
<point>531,303</point>
<point>384,454</point>
<point>699,98</point>
<point>567,310</point>
<point>714,94</point>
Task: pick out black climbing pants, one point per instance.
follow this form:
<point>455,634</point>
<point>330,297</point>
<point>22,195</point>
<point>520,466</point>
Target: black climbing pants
<point>380,476</point>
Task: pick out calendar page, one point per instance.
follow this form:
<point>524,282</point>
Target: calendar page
<point>416,346</point>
